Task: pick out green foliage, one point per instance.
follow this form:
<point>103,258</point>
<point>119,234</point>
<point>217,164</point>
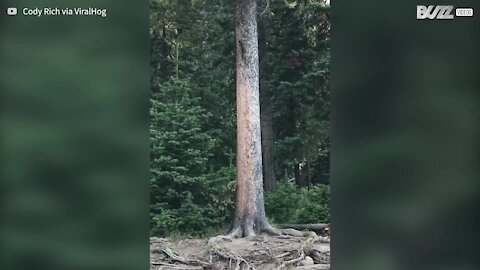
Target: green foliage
<point>192,116</point>
<point>291,205</point>
<point>314,206</point>
<point>181,180</point>
<point>300,59</point>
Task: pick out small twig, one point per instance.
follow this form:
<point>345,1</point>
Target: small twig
<point>175,266</point>
<point>266,7</point>
<point>283,255</point>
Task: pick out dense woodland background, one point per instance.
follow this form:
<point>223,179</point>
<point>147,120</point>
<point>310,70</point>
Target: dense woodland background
<point>193,126</point>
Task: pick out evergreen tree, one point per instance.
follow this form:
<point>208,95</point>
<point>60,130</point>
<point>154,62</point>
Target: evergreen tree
<point>180,151</point>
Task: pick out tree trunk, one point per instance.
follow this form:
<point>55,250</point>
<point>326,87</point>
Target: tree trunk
<point>312,227</point>
<point>249,205</point>
<point>309,180</point>
<point>265,106</point>
<point>296,173</point>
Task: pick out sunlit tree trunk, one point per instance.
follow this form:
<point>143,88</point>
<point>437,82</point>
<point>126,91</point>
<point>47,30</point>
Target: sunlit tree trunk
<point>249,205</point>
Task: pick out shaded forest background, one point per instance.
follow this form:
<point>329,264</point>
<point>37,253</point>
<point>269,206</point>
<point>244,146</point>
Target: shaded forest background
<point>193,126</point>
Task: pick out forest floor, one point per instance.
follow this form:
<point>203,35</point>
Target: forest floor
<point>262,252</point>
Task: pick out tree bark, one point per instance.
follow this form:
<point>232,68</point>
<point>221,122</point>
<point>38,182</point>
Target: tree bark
<point>249,205</point>
<point>296,173</point>
<point>265,106</point>
<point>313,227</point>
<point>309,180</point>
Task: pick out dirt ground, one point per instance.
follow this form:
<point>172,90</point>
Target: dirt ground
<point>261,252</point>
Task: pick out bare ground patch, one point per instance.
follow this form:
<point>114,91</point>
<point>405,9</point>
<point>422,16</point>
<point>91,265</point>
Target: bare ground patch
<point>261,252</point>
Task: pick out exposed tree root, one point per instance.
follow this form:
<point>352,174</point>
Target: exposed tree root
<point>312,227</point>
<point>232,256</point>
<point>193,261</point>
<point>169,266</point>
<point>296,257</point>
<point>313,267</point>
<point>305,249</point>
<point>300,257</point>
<point>271,249</point>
